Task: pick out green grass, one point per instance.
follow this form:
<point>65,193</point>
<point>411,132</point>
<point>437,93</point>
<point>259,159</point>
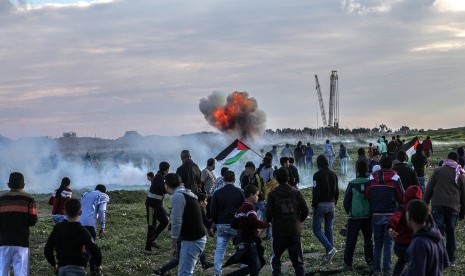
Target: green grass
<point>123,245</point>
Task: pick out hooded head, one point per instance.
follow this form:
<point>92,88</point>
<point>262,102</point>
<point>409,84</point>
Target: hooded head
<point>412,192</point>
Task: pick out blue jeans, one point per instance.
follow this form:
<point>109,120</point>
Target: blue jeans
<point>190,252</point>
<point>324,214</point>
<point>343,166</point>
<point>71,270</point>
<point>383,243</point>
<point>309,163</point>
<point>446,220</point>
<point>224,233</point>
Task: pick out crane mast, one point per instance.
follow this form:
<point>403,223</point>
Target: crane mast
<point>334,101</point>
<point>320,99</point>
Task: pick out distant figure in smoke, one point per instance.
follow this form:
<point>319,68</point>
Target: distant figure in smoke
<point>14,230</point>
<point>154,206</point>
<point>328,151</point>
<point>240,115</point>
<point>59,199</point>
<point>309,156</point>
<point>299,154</point>
<point>287,152</point>
<point>189,172</point>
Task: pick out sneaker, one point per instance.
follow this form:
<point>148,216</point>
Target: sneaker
<point>329,256</point>
<point>207,266</point>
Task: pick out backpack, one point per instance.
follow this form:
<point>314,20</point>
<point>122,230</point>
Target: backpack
<point>360,205</point>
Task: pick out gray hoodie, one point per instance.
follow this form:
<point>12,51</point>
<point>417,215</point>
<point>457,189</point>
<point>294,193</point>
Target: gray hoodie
<point>178,202</point>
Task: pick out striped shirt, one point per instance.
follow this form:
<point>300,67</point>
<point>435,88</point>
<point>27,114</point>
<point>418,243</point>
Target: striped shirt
<point>17,213</point>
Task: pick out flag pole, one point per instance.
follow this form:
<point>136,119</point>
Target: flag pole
<point>261,156</point>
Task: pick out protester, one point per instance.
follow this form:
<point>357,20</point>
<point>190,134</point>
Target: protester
<point>400,232</point>
<point>207,176</point>
<point>428,146</point>
<point>59,199</point>
<point>446,191</point>
<point>266,169</point>
<point>328,151</point>
<point>419,162</point>
<point>308,156</point>
<point>247,224</point>
<point>382,146</point>
<point>250,177</point>
<point>343,155</point>
<point>399,141</point>
<point>219,182</point>
<point>325,194</point>
<point>370,150</point>
<point>186,225</point>
<point>68,239</point>
<point>426,252</point>
<point>407,175</point>
<point>392,148</point>
<point>286,210</point>
<point>271,185</point>
<point>374,160</point>
<point>286,151</point>
<point>274,152</point>
<point>18,213</point>
<point>298,154</point>
<point>154,207</point>
<point>384,192</point>
<point>357,208</point>
<point>189,172</point>
<point>94,207</point>
<point>225,202</point>
<point>294,182</point>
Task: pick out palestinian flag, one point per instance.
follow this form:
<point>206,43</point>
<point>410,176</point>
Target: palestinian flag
<point>411,147</point>
<point>232,153</point>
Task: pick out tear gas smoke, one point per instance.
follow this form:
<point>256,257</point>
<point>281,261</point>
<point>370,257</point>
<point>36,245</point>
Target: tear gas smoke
<point>238,115</point>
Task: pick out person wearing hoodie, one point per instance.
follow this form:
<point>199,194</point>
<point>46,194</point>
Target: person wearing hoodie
<point>384,192</point>
<point>325,194</point>
<point>446,191</point>
<point>400,232</point>
<point>404,171</point>
<point>382,147</point>
<point>426,252</point>
<point>186,224</point>
<point>357,208</point>
<point>419,162</point>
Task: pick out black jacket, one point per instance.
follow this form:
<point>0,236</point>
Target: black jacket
<point>225,203</point>
<point>190,175</point>
<point>407,175</point>
<point>286,209</point>
<point>325,187</point>
<point>257,181</point>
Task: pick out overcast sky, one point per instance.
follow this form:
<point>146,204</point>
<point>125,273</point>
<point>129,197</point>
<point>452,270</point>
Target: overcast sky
<point>103,67</point>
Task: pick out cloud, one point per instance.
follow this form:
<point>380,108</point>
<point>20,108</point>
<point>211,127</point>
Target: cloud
<point>29,5</point>
<point>368,6</point>
<point>449,5</point>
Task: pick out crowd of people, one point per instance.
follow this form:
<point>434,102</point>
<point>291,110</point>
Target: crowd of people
<point>388,202</point>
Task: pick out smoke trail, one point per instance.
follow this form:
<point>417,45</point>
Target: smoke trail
<point>238,116</point>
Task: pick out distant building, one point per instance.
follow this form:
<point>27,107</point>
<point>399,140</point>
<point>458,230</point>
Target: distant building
<point>70,134</point>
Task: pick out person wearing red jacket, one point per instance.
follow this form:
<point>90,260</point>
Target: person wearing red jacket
<point>400,232</point>
<point>59,199</point>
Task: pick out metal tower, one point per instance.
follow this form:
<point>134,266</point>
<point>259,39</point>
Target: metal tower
<point>334,101</point>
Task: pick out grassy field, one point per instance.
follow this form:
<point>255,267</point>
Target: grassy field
<point>123,244</point>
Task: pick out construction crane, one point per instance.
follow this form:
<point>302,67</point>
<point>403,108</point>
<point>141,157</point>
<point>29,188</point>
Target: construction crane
<point>320,99</point>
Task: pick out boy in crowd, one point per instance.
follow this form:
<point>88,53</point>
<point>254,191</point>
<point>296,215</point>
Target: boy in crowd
<point>68,240</point>
<point>18,212</point>
<point>427,254</point>
<point>357,208</point>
